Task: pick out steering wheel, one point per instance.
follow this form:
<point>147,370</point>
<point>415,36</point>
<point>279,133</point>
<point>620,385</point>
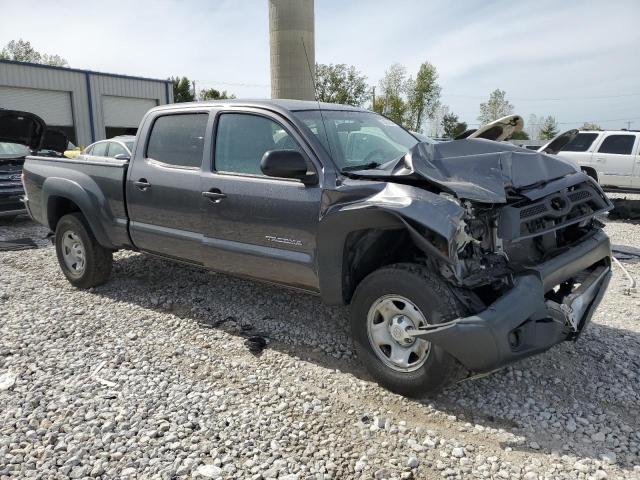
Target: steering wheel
<point>373,153</point>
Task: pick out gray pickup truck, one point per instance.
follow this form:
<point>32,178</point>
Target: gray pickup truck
<point>459,256</point>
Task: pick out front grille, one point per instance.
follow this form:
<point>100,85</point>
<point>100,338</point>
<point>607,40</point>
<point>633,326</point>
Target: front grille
<point>531,211</point>
<point>557,210</point>
<point>579,195</point>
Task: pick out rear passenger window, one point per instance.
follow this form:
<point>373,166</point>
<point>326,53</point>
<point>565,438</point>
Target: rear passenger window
<point>178,139</point>
<point>99,149</point>
<point>580,143</point>
<point>618,144</point>
<point>242,139</point>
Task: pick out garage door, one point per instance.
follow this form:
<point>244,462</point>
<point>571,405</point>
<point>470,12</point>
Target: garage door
<point>53,106</point>
<point>125,112</point>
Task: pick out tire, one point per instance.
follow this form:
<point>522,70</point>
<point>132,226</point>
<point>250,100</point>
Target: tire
<point>434,302</point>
<point>73,236</point>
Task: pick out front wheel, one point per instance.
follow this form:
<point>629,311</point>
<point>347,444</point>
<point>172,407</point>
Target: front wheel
<point>82,259</point>
<point>386,304</point>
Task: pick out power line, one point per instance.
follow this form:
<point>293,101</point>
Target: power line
<point>562,99</point>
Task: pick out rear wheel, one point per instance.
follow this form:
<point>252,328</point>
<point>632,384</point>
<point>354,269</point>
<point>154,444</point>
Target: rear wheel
<point>82,259</point>
<point>387,304</point>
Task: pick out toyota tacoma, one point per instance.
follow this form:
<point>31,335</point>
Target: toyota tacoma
<point>458,256</point>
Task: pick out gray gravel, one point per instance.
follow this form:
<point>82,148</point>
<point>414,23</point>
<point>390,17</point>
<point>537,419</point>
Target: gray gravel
<point>148,376</point>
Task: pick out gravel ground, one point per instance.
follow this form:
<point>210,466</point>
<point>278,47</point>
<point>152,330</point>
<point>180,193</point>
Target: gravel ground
<point>148,376</point>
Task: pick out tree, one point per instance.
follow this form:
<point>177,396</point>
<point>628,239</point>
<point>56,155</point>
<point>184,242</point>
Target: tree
<point>213,94</point>
<point>341,84</point>
<point>423,96</point>
<point>496,107</point>
<point>548,128</point>
<point>521,135</point>
<point>182,90</point>
<point>22,51</point>
<point>590,126</point>
<point>451,126</point>
<point>409,101</point>
<point>390,102</point>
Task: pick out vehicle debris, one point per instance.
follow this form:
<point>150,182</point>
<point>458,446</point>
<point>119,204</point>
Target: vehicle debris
<point>17,244</point>
<point>256,344</point>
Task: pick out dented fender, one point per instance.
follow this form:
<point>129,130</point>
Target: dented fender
<point>393,206</point>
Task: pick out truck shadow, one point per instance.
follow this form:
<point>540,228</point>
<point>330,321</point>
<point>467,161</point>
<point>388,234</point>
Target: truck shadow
<point>552,402</point>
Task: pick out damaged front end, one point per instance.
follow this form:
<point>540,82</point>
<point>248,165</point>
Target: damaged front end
<point>522,248</point>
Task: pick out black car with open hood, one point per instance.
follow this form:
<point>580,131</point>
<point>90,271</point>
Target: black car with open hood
<point>21,133</point>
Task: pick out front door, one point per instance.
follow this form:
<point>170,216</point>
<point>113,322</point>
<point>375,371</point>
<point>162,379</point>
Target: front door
<point>163,188</point>
<point>613,159</point>
<point>255,225</point>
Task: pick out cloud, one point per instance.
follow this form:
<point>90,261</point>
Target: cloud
<point>533,51</point>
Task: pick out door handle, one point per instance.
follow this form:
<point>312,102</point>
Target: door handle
<point>215,195</point>
<point>600,159</point>
<point>142,184</point>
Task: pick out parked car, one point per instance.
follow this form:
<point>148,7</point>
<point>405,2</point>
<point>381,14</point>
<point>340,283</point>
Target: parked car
<point>21,133</point>
<point>117,146</point>
<point>612,157</point>
<point>469,253</point>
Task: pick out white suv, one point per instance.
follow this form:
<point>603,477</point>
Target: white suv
<point>612,157</point>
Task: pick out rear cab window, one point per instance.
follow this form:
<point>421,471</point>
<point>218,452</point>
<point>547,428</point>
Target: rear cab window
<point>618,144</point>
<point>178,139</point>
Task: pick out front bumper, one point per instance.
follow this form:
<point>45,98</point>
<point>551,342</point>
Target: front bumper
<point>11,206</point>
<point>523,322</point>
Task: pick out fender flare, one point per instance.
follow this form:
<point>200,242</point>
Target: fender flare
<point>92,205</point>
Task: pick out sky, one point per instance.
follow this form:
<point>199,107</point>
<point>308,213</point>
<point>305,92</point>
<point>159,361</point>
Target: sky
<point>575,60</point>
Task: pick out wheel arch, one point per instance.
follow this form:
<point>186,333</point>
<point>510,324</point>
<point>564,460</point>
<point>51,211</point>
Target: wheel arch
<point>62,196</point>
<point>354,243</point>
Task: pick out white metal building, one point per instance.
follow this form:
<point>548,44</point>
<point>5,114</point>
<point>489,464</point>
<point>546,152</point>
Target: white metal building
<point>86,105</point>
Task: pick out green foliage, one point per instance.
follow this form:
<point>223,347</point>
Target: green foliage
<point>409,101</point>
<point>521,135</point>
<point>496,107</point>
<point>451,126</point>
<point>213,94</point>
<point>22,51</point>
<point>182,90</point>
<point>423,96</point>
<point>548,128</point>
<point>341,84</point>
<point>590,126</point>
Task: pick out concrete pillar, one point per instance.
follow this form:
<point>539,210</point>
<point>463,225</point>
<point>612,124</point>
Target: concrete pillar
<point>291,22</point>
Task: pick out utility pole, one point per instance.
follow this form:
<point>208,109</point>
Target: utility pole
<point>195,95</point>
<point>373,101</point>
<point>629,122</point>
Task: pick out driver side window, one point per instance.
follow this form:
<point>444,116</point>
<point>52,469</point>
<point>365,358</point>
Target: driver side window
<point>242,139</point>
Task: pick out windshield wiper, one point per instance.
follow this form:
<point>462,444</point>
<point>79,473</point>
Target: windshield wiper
<point>364,166</point>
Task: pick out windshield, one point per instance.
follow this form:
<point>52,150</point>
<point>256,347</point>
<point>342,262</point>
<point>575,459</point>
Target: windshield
<point>8,149</point>
<point>358,139</point>
<point>129,146</point>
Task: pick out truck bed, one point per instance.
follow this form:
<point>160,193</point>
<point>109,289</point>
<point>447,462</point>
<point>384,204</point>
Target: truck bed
<point>96,187</point>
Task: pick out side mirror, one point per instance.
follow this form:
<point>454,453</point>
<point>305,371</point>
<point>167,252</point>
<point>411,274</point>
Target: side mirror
<point>287,164</point>
<point>122,156</point>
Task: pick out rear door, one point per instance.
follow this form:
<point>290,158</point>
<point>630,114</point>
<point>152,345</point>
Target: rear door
<point>255,225</point>
<point>614,160</point>
<point>163,187</point>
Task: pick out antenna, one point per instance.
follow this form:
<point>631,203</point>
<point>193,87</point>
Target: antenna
<point>315,94</point>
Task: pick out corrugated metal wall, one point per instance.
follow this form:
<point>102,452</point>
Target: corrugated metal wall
<point>83,85</point>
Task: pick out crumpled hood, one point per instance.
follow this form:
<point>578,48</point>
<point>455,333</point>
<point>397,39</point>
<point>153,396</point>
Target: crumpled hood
<point>474,169</point>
